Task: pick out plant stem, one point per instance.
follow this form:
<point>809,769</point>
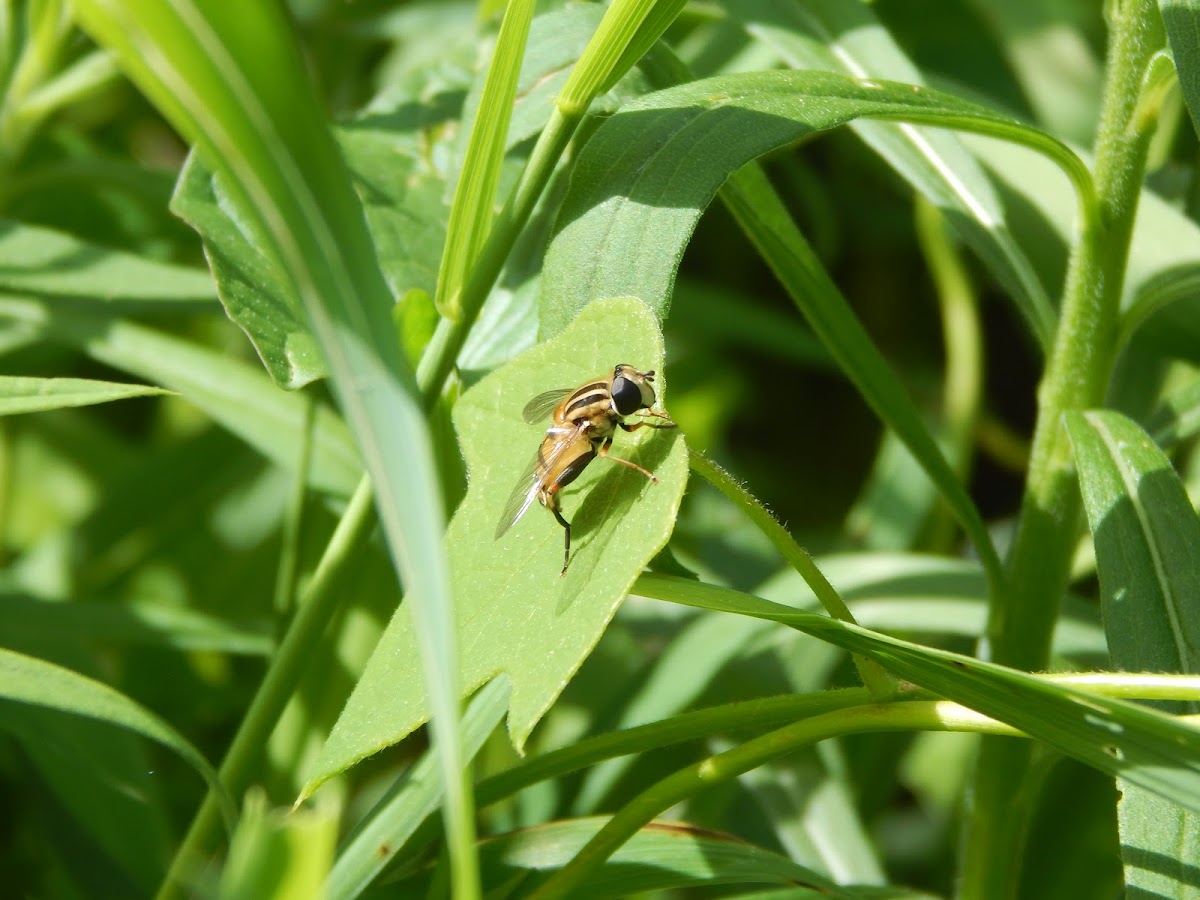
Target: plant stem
<point>1077,374</point>
<point>317,607</point>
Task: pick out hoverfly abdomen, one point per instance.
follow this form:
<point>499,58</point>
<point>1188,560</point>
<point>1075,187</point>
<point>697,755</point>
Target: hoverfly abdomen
<point>585,420</point>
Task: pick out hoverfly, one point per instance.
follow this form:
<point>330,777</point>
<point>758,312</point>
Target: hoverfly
<point>584,422</point>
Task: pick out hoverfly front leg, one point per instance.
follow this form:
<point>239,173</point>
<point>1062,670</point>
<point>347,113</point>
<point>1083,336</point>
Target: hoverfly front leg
<point>644,415</point>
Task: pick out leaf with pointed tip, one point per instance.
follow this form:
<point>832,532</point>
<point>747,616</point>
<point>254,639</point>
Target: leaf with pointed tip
<point>515,614</point>
<point>24,395</point>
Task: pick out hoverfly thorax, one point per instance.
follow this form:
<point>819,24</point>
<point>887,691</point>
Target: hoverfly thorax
<point>584,422</point>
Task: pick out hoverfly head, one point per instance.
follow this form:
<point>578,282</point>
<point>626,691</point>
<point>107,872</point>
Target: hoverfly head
<point>631,390</point>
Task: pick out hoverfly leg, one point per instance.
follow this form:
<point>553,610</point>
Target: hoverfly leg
<point>566,538</point>
<point>645,414</point>
<point>603,451</point>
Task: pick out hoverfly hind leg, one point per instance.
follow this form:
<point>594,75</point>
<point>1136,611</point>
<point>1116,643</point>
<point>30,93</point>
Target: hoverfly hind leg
<point>566,537</point>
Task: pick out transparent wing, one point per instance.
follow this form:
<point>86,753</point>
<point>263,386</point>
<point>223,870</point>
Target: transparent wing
<point>543,404</point>
<point>530,482</point>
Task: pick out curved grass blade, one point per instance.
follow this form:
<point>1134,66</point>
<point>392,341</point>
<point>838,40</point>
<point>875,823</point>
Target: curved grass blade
<point>629,214</point>
<point>26,679</point>
<point>847,37</point>
<point>1142,745</point>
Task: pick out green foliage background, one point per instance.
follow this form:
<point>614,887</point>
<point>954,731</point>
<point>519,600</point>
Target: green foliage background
<point>919,281</point>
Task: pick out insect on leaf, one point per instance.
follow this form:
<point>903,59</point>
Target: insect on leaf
<point>516,615</point>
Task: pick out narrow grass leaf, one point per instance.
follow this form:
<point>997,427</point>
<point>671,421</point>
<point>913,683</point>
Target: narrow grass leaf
<point>475,193</point>
<point>847,37</point>
<point>49,263</point>
<point>234,80</point>
<point>629,28</point>
<point>1146,747</point>
<point>767,222</point>
<point>1147,539</point>
<point>236,395</point>
<point>516,614</point>
<point>25,395</point>
<point>26,679</point>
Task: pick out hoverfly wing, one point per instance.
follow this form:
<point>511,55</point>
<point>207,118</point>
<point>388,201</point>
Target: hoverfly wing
<point>521,498</point>
<point>532,480</point>
<point>543,404</point>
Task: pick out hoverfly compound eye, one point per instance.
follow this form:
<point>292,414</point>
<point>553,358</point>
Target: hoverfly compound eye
<point>626,395</point>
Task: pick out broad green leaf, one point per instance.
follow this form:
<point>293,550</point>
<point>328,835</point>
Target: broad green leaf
<point>847,37</point>
<point>255,293</point>
<point>516,615</point>
<point>1147,538</point>
<point>279,854</point>
<point>234,394</point>
<point>661,856</point>
<point>405,210</point>
<point>26,679</point>
<point>23,395</point>
<point>1182,19</point>
<point>1150,749</point>
<point>629,214</point>
<point>52,264</point>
